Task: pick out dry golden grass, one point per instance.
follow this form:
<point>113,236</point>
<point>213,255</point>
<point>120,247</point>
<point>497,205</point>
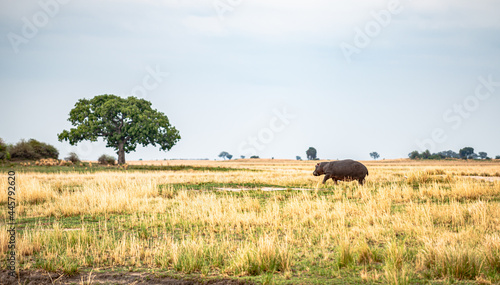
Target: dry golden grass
<point>411,221</point>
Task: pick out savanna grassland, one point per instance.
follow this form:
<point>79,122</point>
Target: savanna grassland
<point>412,222</point>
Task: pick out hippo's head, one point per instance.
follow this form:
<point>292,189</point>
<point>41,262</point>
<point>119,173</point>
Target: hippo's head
<point>319,170</point>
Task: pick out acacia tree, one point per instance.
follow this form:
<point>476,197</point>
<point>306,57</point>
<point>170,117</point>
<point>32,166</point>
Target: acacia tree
<point>374,155</point>
<point>225,155</point>
<point>122,123</point>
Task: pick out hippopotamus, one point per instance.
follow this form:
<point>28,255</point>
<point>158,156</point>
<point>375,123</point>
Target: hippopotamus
<point>345,170</point>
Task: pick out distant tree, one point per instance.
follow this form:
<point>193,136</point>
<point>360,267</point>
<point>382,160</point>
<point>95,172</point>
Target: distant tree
<point>374,155</point>
<point>466,152</point>
<point>414,155</point>
<point>122,122</point>
<point>426,154</point>
<point>229,156</point>
<point>254,156</point>
<point>73,157</point>
<point>439,155</point>
<point>483,155</point>
<point>311,153</point>
<point>448,154</point>
<point>223,154</point>
<point>242,156</point>
<point>436,156</point>
<point>497,157</point>
<point>298,157</point>
<point>442,154</point>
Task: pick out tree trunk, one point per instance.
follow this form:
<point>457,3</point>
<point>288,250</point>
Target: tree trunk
<point>121,153</point>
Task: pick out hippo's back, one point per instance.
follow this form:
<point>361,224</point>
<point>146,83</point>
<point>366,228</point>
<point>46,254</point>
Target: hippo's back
<point>348,168</point>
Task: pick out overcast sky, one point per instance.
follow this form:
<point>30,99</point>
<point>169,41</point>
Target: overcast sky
<point>263,77</point>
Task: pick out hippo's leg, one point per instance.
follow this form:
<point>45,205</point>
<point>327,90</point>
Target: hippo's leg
<point>361,181</point>
<point>327,176</point>
<point>334,179</point>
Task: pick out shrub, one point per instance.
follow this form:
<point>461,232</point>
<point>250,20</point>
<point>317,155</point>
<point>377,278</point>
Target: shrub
<point>497,157</point>
<point>33,150</point>
<point>4,152</point>
<point>106,159</point>
<point>23,150</point>
<point>43,149</point>
<point>254,156</point>
<point>73,157</point>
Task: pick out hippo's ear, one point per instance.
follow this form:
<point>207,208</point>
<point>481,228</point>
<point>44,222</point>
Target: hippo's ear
<point>317,164</point>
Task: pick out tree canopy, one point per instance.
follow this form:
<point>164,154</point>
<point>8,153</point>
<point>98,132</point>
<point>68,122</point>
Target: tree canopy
<point>466,152</point>
<point>122,122</point>
<point>483,155</point>
<point>225,155</point>
<point>374,155</point>
<point>311,153</point>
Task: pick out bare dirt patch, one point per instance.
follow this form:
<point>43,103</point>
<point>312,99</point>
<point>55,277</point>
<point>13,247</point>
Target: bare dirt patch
<point>35,277</point>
